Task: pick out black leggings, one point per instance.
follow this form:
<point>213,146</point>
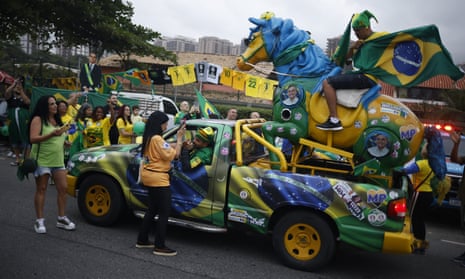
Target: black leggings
<point>159,202</point>
<point>350,81</point>
<point>421,201</point>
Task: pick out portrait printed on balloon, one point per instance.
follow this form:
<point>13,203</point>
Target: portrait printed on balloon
<point>379,144</point>
<point>291,96</point>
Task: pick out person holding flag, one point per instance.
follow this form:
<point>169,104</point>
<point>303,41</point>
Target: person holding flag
<point>403,59</point>
<point>362,29</point>
<point>207,109</point>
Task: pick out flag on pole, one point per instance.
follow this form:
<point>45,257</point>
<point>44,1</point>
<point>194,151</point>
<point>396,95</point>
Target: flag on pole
<point>143,76</point>
<point>135,76</point>
<point>206,108</point>
<point>406,58</point>
<point>131,76</point>
<point>110,83</point>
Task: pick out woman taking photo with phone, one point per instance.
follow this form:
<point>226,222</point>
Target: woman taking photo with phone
<point>157,155</point>
<point>47,134</point>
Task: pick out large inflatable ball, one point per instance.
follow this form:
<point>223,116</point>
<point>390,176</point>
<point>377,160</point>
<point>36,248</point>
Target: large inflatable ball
<point>139,128</point>
<point>4,131</point>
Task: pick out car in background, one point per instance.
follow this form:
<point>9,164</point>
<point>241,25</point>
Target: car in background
<point>454,170</point>
<point>149,103</point>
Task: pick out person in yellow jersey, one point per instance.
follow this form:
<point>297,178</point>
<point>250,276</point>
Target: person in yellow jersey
<point>97,131</point>
<point>421,199</point>
<point>125,125</point>
<point>157,155</point>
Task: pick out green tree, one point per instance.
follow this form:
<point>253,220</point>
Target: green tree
<point>103,25</point>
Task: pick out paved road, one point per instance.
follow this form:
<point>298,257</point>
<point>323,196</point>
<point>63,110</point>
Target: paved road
<point>98,252</point>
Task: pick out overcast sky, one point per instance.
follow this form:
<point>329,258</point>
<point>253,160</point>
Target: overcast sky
<point>227,19</point>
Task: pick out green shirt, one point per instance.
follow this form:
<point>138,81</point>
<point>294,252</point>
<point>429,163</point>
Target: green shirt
<point>51,151</point>
<point>201,156</point>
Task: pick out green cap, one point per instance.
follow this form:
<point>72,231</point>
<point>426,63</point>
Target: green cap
<point>205,134</point>
<point>362,19</point>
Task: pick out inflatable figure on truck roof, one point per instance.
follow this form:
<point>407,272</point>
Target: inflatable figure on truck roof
<point>302,66</point>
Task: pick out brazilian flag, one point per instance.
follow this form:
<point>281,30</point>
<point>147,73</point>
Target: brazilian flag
<point>110,83</point>
<point>406,58</point>
<point>206,108</point>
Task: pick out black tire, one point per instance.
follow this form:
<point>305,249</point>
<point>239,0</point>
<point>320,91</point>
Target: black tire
<point>304,241</point>
<point>100,200</point>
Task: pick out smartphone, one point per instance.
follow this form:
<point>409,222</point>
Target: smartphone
<point>66,126</point>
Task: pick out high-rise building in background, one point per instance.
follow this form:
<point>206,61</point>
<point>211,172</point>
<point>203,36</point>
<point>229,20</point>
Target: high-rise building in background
<point>207,44</point>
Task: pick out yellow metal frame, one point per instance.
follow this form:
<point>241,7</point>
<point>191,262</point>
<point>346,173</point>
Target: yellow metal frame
<point>246,126</point>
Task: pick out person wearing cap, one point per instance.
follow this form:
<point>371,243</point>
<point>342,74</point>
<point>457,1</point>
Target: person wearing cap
<point>361,26</point>
<point>199,151</point>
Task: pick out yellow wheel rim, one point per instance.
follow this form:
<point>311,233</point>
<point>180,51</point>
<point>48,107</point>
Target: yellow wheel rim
<point>302,242</point>
<point>98,200</point>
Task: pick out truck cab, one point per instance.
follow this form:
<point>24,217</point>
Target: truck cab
<point>149,103</point>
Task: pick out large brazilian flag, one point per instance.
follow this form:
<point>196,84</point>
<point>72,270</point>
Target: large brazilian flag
<point>406,58</point>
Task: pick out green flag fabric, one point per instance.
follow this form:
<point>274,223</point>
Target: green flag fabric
<point>94,99</point>
<point>110,83</point>
<point>406,58</point>
<point>339,56</point>
<point>206,108</point>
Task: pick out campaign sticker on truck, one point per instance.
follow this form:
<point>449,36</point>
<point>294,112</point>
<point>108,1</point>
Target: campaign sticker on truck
<point>224,151</point>
<point>376,197</point>
<point>242,216</point>
<point>351,199</point>
<point>376,217</point>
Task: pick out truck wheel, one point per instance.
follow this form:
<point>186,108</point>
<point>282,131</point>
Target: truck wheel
<point>304,241</point>
<point>100,200</point>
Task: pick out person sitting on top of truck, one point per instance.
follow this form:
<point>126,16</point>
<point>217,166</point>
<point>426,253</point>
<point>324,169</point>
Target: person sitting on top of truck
<point>199,151</point>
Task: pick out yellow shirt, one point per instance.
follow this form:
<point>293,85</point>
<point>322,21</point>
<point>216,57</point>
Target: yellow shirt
<point>73,110</point>
<point>128,128</point>
<point>159,155</point>
<point>424,171</point>
<point>97,133</point>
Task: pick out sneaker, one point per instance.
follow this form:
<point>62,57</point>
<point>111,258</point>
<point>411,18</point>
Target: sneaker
<point>39,226</point>
<point>165,251</point>
<point>459,259</point>
<point>66,224</point>
<point>145,244</point>
<point>330,126</point>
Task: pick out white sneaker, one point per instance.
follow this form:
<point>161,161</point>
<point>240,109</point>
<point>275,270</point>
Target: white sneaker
<point>66,224</point>
<point>39,226</point>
